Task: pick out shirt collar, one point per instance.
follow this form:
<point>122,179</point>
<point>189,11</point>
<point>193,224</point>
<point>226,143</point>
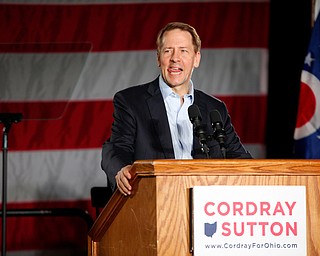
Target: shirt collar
<point>166,89</point>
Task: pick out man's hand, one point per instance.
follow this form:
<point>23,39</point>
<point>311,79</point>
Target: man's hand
<point>122,178</point>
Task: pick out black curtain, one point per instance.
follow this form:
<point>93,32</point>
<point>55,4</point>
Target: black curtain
<point>290,31</point>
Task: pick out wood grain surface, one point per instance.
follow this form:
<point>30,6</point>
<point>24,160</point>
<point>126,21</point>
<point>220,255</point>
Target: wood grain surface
<point>155,219</point>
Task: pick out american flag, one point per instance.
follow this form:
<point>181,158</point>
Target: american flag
<point>61,62</point>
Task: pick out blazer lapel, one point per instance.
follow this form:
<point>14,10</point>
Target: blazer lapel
<point>197,153</point>
<point>159,117</point>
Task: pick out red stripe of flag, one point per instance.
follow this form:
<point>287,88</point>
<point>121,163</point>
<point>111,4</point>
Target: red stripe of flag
<point>248,117</point>
<point>118,27</point>
<point>84,124</point>
<point>45,232</point>
<point>87,124</point>
<point>45,47</point>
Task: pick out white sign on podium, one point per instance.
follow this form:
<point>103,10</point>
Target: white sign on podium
<point>249,220</point>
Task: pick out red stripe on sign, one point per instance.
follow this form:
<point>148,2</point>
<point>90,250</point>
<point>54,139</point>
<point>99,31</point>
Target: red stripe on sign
<point>44,232</point>
<point>87,124</point>
<point>122,27</point>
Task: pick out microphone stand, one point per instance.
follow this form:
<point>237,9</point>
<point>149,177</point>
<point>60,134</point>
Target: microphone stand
<point>205,149</point>
<point>223,151</point>
<point>220,139</point>
<point>7,119</point>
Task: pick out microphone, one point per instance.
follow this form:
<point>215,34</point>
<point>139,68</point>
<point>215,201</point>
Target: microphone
<point>199,129</point>
<point>219,133</point>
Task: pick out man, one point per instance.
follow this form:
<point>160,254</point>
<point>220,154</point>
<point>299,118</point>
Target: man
<point>151,120</point>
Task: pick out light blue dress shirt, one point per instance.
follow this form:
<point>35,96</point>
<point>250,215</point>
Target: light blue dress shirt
<point>180,125</point>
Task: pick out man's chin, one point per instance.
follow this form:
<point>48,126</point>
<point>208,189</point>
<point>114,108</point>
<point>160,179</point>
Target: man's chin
<point>175,82</point>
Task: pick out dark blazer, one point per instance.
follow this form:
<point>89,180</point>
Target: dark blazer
<point>141,129</point>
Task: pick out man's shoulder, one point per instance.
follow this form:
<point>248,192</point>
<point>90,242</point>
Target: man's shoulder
<point>205,97</point>
<point>140,89</point>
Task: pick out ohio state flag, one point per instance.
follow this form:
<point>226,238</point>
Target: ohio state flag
<point>307,131</point>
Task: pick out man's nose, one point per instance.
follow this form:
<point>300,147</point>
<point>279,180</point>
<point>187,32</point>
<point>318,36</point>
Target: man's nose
<point>175,57</point>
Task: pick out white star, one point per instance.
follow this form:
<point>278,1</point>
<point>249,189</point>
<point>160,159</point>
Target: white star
<point>308,59</point>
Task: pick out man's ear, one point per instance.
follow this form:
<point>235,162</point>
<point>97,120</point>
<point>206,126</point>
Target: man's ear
<point>197,60</point>
<point>158,59</point>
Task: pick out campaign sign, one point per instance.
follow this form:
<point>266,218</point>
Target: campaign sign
<point>249,220</point>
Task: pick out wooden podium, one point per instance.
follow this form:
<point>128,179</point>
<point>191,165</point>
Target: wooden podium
<point>154,220</point>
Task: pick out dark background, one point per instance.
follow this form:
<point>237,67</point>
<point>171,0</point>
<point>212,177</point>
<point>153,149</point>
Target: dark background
<point>290,31</point>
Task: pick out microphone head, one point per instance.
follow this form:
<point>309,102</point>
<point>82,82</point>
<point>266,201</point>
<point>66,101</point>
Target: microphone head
<point>194,112</point>
<point>217,126</point>
<point>215,116</point>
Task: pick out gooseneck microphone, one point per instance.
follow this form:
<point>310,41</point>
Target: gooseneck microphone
<point>198,128</point>
<point>219,133</point>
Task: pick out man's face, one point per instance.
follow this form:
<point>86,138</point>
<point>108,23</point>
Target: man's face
<point>177,58</point>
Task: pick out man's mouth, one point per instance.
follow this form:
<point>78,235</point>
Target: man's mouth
<point>175,71</point>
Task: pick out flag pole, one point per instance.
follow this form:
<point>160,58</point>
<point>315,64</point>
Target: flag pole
<point>315,9</point>
<point>7,119</point>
